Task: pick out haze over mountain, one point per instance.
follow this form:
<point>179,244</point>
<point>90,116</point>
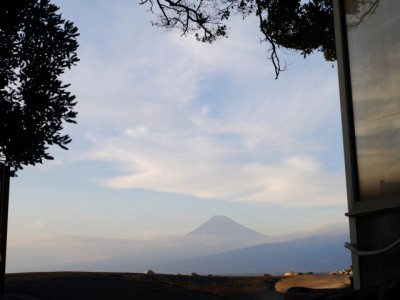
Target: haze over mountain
<point>319,254</point>
<point>218,246</point>
<point>224,227</point>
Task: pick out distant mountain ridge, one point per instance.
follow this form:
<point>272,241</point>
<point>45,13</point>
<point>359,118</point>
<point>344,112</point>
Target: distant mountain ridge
<point>218,246</point>
<point>320,254</point>
<point>224,227</point>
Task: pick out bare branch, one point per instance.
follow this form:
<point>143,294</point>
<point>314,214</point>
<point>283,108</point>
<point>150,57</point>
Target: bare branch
<point>204,16</point>
<point>365,8</point>
<point>274,56</point>
<point>303,26</point>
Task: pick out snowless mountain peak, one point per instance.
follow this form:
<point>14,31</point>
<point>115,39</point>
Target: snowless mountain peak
<point>224,227</point>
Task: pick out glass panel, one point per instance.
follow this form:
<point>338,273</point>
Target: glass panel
<point>373,29</point>
<point>2,174</point>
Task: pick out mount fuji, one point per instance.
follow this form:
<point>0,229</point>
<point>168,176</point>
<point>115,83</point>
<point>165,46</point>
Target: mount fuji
<point>218,246</point>
<point>224,227</point>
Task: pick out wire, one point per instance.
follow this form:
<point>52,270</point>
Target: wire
<point>372,252</point>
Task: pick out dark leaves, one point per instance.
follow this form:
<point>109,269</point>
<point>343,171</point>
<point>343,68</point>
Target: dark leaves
<point>303,26</point>
<point>36,46</point>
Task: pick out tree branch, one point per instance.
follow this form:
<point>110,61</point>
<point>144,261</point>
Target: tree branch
<point>274,56</point>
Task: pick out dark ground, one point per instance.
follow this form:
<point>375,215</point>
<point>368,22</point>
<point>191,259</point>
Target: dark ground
<point>99,286</point>
<point>80,285</point>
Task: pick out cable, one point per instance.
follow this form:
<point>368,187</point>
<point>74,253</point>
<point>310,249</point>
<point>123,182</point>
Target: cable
<point>373,252</point>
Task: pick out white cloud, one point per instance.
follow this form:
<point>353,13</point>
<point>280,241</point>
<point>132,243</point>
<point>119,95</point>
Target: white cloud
<point>147,111</point>
<point>206,167</point>
<point>303,163</point>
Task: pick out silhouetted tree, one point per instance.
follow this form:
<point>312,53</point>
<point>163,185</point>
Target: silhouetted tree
<point>36,46</point>
<point>304,26</point>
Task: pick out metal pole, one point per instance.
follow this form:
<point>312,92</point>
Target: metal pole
<point>348,131</point>
<point>4,197</point>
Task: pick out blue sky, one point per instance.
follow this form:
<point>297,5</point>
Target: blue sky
<point>171,132</point>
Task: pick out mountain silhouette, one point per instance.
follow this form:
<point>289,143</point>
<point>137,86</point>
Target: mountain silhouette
<point>224,227</point>
<point>321,254</point>
<point>219,246</point>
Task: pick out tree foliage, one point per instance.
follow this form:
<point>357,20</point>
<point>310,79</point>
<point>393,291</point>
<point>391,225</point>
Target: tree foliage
<point>303,26</point>
<point>36,46</point>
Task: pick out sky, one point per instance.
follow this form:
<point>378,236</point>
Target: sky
<point>172,132</point>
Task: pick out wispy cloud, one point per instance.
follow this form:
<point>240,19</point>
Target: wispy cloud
<point>208,121</point>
